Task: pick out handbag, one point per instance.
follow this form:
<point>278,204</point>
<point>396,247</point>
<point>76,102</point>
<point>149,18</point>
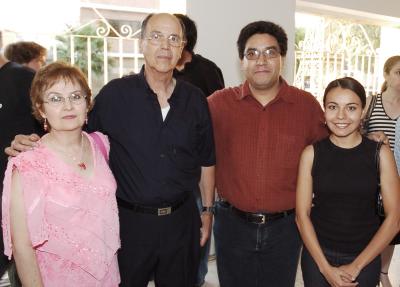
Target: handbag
<point>379,202</point>
<point>366,119</point>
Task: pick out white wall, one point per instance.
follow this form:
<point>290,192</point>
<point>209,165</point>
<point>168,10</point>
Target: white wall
<point>389,8</point>
<point>220,21</point>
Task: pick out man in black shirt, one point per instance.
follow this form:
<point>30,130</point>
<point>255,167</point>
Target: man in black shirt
<point>161,142</point>
<point>206,75</point>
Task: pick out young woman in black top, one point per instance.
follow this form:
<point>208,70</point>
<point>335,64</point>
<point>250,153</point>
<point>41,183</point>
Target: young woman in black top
<point>336,196</point>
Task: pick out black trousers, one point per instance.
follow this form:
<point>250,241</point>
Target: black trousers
<point>166,246</point>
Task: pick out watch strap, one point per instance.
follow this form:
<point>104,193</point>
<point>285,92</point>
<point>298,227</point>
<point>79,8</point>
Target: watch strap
<point>208,209</point>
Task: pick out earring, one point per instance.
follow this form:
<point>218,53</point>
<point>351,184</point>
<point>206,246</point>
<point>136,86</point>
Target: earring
<point>45,126</point>
<point>86,120</point>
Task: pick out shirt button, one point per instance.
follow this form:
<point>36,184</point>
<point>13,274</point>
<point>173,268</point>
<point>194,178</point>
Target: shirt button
<point>162,155</point>
<point>1,105</point>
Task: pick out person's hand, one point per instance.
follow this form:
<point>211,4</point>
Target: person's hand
<point>22,143</point>
<point>206,225</point>
<point>351,269</point>
<point>338,278</point>
<point>378,136</point>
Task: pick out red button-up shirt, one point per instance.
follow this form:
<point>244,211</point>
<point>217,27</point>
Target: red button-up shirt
<point>258,148</point>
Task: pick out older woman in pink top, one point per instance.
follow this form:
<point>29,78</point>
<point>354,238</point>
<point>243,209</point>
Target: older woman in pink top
<point>60,218</point>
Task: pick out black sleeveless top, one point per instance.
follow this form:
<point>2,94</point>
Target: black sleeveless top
<point>344,203</point>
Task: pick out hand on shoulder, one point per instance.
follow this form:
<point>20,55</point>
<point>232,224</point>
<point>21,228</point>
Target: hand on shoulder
<point>22,143</point>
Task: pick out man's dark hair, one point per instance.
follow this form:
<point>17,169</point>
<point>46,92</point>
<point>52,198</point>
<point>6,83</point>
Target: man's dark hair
<point>347,83</point>
<point>262,27</point>
<point>190,31</point>
<point>146,20</point>
<point>23,52</point>
<point>144,25</point>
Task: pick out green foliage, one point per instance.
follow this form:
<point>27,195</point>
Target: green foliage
<point>80,39</point>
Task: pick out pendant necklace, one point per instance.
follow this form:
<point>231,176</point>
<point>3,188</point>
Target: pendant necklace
<point>78,160</point>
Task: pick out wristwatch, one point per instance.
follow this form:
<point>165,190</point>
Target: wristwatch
<point>209,209</point>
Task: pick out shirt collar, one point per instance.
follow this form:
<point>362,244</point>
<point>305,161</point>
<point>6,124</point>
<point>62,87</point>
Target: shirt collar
<point>150,90</point>
<point>144,81</point>
<point>283,93</point>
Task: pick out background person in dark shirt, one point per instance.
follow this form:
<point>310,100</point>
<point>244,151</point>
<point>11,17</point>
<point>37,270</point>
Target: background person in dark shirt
<point>28,54</point>
<point>194,68</point>
<point>15,116</point>
<point>205,75</point>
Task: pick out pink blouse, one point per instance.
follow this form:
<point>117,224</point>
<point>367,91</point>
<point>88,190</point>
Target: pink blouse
<point>72,221</point>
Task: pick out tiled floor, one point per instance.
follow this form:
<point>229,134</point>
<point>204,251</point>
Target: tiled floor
<point>394,273</point>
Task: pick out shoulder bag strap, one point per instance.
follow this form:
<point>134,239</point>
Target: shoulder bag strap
<point>379,202</point>
<point>377,159</point>
<point>100,144</point>
<point>369,112</point>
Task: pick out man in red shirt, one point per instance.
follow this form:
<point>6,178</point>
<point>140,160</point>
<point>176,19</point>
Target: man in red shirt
<point>260,128</point>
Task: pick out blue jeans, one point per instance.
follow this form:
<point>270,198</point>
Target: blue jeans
<point>368,277</point>
<point>204,251</point>
<point>255,255</point>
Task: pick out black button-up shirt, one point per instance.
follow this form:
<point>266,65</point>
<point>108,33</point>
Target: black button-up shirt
<point>155,162</point>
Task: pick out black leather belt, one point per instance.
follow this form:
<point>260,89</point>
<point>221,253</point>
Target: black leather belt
<point>159,211</point>
<point>259,218</point>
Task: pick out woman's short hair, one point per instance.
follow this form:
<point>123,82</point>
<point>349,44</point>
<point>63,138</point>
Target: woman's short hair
<point>47,76</point>
<point>348,83</point>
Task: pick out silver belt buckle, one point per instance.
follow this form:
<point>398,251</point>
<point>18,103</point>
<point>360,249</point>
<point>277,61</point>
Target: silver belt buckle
<point>164,211</point>
<point>263,218</point>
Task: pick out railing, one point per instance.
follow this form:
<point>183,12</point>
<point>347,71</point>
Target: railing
<point>102,52</point>
<point>314,70</point>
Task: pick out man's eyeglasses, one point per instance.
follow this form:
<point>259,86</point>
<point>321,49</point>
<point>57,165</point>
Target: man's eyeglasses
<point>156,38</point>
<point>254,54</point>
<point>75,98</point>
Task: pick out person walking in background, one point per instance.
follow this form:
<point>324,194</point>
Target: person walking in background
<point>336,196</point>
<point>382,113</point>
<point>206,75</point>
<point>59,211</point>
<point>260,128</point>
<point>28,54</point>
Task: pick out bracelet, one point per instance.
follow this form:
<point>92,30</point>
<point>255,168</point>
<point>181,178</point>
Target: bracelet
<point>209,209</point>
